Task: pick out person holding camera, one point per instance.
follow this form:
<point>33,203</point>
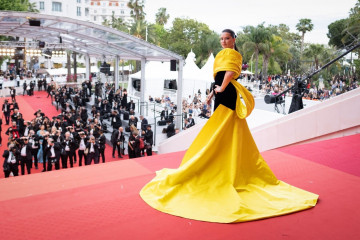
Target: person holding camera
<point>102,142</point>
<point>117,139</point>
<point>34,141</point>
<point>25,155</point>
<point>52,152</point>
<point>13,131</point>
<point>69,150</point>
<point>6,108</point>
<point>115,120</point>
<point>12,93</point>
<point>11,162</point>
<point>82,141</point>
<point>148,140</point>
<point>93,151</point>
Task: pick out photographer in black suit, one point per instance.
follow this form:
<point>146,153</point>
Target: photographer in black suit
<point>6,108</point>
<point>25,155</point>
<point>117,140</point>
<point>82,141</point>
<point>93,151</point>
<point>52,153</point>
<point>115,120</point>
<point>149,140</point>
<point>102,142</point>
<point>11,161</point>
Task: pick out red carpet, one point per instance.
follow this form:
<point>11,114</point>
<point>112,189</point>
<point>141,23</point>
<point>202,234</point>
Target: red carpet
<point>102,201</point>
<point>28,106</point>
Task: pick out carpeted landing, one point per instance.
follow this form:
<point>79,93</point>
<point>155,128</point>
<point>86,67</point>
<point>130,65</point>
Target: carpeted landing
<point>102,201</point>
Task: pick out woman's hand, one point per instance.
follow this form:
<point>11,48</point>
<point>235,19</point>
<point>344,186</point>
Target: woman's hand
<point>218,89</point>
<point>209,97</point>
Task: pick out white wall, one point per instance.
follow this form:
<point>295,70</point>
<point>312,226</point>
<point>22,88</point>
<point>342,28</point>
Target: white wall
<point>336,117</point>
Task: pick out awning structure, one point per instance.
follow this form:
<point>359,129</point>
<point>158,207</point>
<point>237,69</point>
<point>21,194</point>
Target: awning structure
<point>89,39</point>
<point>81,36</point>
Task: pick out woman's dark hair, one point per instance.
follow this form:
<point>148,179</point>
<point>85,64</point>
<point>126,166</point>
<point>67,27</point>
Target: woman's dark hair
<point>233,35</point>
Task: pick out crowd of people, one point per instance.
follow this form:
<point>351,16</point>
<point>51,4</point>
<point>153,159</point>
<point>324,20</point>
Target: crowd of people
<point>337,85</point>
<point>73,135</point>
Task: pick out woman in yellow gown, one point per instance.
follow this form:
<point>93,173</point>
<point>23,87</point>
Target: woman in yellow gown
<point>222,177</point>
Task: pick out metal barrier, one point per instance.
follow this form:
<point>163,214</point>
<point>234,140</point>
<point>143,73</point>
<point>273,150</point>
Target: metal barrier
<point>138,103</point>
<point>144,104</point>
<point>176,115</point>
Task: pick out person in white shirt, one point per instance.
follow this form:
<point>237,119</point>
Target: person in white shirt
<point>93,151</point>
<point>82,146</point>
<point>25,156</point>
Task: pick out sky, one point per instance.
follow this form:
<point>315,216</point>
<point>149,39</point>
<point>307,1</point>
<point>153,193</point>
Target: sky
<point>236,14</point>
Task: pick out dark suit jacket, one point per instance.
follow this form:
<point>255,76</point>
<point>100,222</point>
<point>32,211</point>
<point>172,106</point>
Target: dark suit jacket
<point>96,148</point>
<point>115,137</point>
<point>144,124</point>
<point>28,151</point>
<point>149,137</point>
<point>57,150</point>
<point>6,155</point>
<point>170,130</point>
<point>102,141</point>
<point>117,122</point>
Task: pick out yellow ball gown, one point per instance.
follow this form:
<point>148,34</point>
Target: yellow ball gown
<point>223,177</point>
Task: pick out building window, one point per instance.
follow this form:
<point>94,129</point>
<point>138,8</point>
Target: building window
<point>122,5</point>
<point>78,11</point>
<point>56,7</point>
<point>42,6</point>
<point>122,11</point>
<point>86,12</point>
<point>78,1</point>
<point>94,18</point>
<point>104,11</point>
<point>95,11</point>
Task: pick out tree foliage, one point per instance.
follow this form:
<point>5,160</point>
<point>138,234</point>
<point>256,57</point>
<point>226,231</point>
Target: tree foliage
<point>162,16</point>
<point>304,25</point>
<point>137,9</point>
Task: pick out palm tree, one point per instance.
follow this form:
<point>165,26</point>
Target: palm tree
<point>273,50</point>
<point>137,9</point>
<point>315,51</point>
<point>142,30</point>
<point>258,36</point>
<point>304,26</point>
<point>32,7</point>
<point>162,17</point>
<point>116,23</point>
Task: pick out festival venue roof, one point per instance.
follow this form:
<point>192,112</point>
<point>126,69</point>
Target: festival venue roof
<point>80,36</point>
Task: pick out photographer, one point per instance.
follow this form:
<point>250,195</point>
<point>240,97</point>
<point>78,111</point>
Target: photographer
<point>115,120</point>
<point>11,162</point>
<point>13,131</point>
<point>148,140</point>
<point>117,139</point>
<point>82,141</point>
<point>102,142</point>
<point>34,141</point>
<point>6,108</point>
<point>52,151</point>
<point>69,150</point>
<point>93,151</point>
<point>25,155</point>
<point>12,93</point>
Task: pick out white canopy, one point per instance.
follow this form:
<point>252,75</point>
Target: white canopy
<point>207,69</point>
<point>193,78</point>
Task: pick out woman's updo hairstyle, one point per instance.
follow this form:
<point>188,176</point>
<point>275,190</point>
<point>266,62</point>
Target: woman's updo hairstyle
<point>233,35</point>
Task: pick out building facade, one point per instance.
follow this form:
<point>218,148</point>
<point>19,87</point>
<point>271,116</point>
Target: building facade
<point>95,11</point>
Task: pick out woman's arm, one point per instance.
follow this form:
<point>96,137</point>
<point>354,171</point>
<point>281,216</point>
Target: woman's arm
<point>227,78</point>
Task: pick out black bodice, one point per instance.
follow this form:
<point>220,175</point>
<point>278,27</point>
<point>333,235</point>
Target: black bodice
<point>228,96</point>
